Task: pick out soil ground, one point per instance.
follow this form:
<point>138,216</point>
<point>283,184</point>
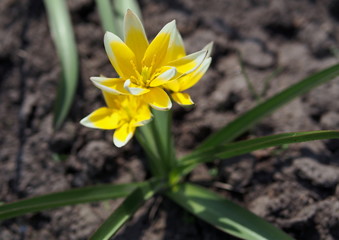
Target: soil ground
<point>294,187</point>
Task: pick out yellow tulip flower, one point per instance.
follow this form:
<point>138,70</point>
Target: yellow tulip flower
<point>145,68</point>
<point>124,113</point>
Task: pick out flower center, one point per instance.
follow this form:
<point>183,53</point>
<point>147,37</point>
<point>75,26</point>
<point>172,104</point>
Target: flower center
<point>144,77</point>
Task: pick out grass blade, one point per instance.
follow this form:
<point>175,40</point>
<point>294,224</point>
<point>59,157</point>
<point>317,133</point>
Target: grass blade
<point>69,197</point>
<point>248,119</point>
<point>162,133</point>
<point>224,214</point>
<point>106,15</point>
<point>130,205</point>
<point>63,35</point>
<point>246,146</point>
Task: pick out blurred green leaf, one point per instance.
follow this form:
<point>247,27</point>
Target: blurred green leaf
<point>128,207</point>
<point>162,133</point>
<point>147,140</point>
<point>224,214</point>
<point>248,119</point>
<point>63,35</point>
<point>106,15</point>
<point>69,197</point>
<point>246,146</point>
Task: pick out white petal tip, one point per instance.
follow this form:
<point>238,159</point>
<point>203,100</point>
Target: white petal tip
<point>168,107</point>
<point>119,143</point>
<point>87,123</point>
<point>97,81</point>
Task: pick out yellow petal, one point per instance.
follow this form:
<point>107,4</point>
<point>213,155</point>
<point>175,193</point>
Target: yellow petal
<point>111,85</point>
<point>182,98</point>
<point>120,55</point>
<point>164,77</point>
<point>114,101</point>
<point>173,85</point>
<point>135,89</point>
<point>143,116</point>
<point>188,63</point>
<point>191,79</point>
<point>158,99</point>
<point>176,48</point>
<point>135,36</point>
<point>123,134</point>
<point>156,52</point>
<point>102,118</point>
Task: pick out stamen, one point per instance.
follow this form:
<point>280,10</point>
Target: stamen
<point>138,76</point>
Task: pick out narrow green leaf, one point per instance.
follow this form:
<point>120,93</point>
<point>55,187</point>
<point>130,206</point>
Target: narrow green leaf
<point>63,35</point>
<point>106,15</point>
<point>162,133</point>
<point>128,207</point>
<point>248,119</point>
<point>120,8</point>
<point>224,214</point>
<point>246,146</point>
<point>148,142</point>
<point>69,197</point>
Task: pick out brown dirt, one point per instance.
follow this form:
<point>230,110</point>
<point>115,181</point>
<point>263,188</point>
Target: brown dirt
<point>296,188</point>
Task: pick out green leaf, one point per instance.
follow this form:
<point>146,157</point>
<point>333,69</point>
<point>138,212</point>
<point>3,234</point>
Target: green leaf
<point>162,133</point>
<point>248,119</point>
<point>224,214</point>
<point>128,207</point>
<point>69,197</point>
<point>106,15</point>
<point>246,146</point>
<point>63,35</point>
<point>148,142</point>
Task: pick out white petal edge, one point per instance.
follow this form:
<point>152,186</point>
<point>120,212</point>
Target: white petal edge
<point>208,48</point>
<point>198,57</point>
<point>133,90</point>
<point>85,122</point>
<point>97,81</point>
<point>108,38</point>
<point>165,76</point>
<point>132,20</point>
<point>119,143</point>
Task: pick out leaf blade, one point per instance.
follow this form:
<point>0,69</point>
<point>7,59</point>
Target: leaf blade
<point>246,146</point>
<point>130,205</point>
<point>64,40</point>
<point>69,197</point>
<point>248,119</point>
<point>224,214</point>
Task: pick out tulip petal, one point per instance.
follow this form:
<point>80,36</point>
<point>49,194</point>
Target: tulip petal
<point>156,52</point>
<point>182,98</point>
<point>173,85</point>
<point>135,89</point>
<point>191,79</point>
<point>208,48</point>
<point>176,48</point>
<point>164,77</point>
<point>135,36</point>
<point>158,99</point>
<point>120,55</point>
<point>114,101</point>
<point>189,63</point>
<point>123,134</point>
<point>111,85</point>
<point>144,115</point>
<point>102,118</point>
